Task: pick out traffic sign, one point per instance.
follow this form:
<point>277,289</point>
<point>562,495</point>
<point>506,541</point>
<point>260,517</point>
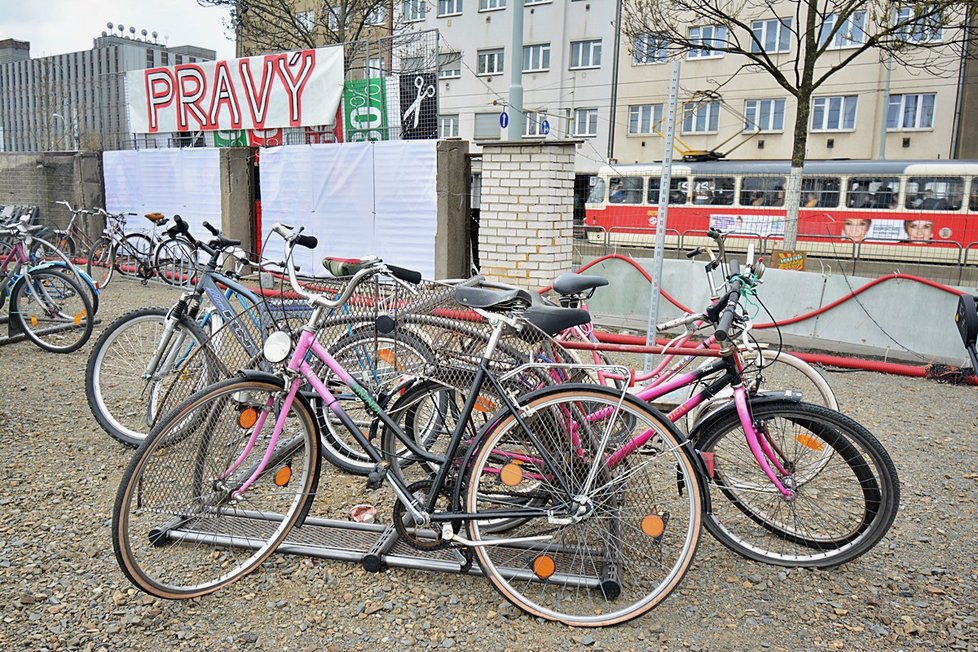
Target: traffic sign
<point>503,119</point>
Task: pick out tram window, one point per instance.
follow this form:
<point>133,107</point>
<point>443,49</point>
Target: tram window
<point>762,191</point>
<point>713,190</point>
<point>973,200</point>
<point>872,192</point>
<point>821,192</point>
<point>625,190</point>
<point>597,191</point>
<point>677,190</point>
<point>935,193</point>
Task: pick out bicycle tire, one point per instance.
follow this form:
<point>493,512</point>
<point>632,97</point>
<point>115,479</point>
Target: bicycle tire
<point>52,310</point>
<point>133,256</point>
<point>378,362</point>
<point>101,262</point>
<point>124,403</point>
<point>637,533</point>
<point>175,262</point>
<point>176,532</point>
<point>66,243</point>
<point>845,500</point>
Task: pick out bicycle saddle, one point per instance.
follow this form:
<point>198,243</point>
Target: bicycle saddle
<point>577,283</point>
<point>554,319</point>
<point>494,300</point>
<point>156,218</point>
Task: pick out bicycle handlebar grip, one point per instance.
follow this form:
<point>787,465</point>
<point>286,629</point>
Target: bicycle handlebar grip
<point>727,317</point>
<point>408,275</point>
<point>307,241</point>
<point>207,225</point>
<point>713,233</point>
<point>734,267</point>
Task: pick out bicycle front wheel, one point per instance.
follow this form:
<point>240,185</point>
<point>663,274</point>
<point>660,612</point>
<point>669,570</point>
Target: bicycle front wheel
<point>176,529</point>
<point>846,490</point>
<point>101,262</point>
<point>618,529</point>
<point>176,262</point>
<point>134,255</point>
<point>52,309</point>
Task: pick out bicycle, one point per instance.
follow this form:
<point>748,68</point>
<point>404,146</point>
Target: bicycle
<point>169,257</point>
<point>562,535</point>
<point>48,305</point>
<point>73,238</point>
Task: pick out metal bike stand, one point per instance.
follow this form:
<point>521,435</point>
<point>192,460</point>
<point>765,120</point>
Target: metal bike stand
<point>14,334</point>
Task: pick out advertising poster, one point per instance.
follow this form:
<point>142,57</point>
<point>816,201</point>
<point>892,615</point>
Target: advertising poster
<point>365,110</point>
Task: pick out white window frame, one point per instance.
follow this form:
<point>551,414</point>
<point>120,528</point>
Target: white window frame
<point>901,103</point>
<point>851,35</point>
<point>449,8</point>
<point>706,35</point>
<point>844,102</point>
<point>761,30</point>
<point>578,50</point>
<point>649,49</point>
<point>495,56</point>
<point>414,10</point>
<point>452,59</point>
<point>918,32</point>
<point>755,110</point>
<point>306,18</point>
<point>492,5</point>
<point>376,16</point>
<point>375,67</point>
<point>527,3</point>
<point>448,125</point>
<point>586,122</point>
<point>642,118</point>
<point>533,123</point>
<point>701,118</point>
<point>540,52</point>
<point>485,119</point>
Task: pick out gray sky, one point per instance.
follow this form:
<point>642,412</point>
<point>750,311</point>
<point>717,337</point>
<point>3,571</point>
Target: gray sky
<point>58,26</point>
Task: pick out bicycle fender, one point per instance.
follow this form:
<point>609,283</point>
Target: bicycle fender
<point>254,374</point>
<point>76,271</point>
<point>758,399</point>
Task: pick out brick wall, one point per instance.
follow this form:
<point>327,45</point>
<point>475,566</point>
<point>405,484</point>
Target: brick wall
<point>43,179</point>
<point>527,208</point>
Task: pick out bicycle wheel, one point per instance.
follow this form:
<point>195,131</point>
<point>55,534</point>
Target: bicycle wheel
<point>53,311</point>
<point>123,395</point>
<point>101,262</point>
<point>379,363</point>
<point>133,257</point>
<point>846,488</point>
<point>65,243</point>
<point>597,554</point>
<point>176,531</point>
<point>176,262</point>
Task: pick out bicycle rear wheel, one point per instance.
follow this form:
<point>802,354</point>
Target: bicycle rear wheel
<point>176,262</point>
<point>133,257</point>
<point>101,262</point>
<point>176,531</point>
<point>846,488</point>
<point>52,309</point>
<point>592,555</point>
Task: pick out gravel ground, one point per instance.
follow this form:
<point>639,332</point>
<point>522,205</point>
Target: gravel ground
<point>63,590</point>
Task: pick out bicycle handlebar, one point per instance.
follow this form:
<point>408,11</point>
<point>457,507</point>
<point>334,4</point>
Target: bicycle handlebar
<point>729,311</point>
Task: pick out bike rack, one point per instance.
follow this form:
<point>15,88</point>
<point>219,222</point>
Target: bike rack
<point>14,334</point>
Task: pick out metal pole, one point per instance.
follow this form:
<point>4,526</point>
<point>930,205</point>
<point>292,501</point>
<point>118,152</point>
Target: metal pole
<point>663,210</point>
<point>515,129</point>
<point>888,64</point>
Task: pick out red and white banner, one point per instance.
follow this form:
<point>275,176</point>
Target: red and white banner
<point>288,89</point>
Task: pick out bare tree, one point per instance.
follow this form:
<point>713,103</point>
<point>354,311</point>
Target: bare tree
<point>261,26</point>
<point>930,35</point>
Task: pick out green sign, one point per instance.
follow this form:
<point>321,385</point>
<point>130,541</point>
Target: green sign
<point>231,138</point>
<point>365,109</point>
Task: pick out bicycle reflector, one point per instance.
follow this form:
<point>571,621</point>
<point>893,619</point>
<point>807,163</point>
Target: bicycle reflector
<point>277,347</point>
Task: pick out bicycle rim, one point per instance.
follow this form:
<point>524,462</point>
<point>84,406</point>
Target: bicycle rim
<point>176,263</point>
<point>101,261</point>
<point>53,311</point>
<point>176,532</point>
<point>637,535</point>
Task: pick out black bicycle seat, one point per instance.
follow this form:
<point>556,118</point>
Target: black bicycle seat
<point>494,300</point>
<point>577,283</point>
<point>554,319</point>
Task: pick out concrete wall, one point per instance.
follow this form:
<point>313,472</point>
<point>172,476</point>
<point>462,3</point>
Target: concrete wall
<point>452,185</point>
<point>238,196</point>
<point>43,179</point>
<point>897,319</point>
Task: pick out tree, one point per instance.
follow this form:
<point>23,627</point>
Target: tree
<point>261,26</point>
<point>825,35</point>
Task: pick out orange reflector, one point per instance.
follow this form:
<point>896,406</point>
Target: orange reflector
<point>544,566</point>
<point>653,526</point>
<point>283,475</point>
<point>809,442</point>
<point>34,320</point>
<point>248,417</point>
<point>511,474</point>
<point>79,317</point>
<point>482,404</point>
<point>388,356</point>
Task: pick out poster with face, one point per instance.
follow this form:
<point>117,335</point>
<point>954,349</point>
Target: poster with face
<point>419,106</point>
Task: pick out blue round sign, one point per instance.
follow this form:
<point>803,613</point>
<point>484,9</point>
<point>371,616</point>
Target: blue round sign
<point>545,127</point>
<point>503,119</point>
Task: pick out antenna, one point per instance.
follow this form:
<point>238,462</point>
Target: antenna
<point>121,28</point>
<point>132,30</point>
<point>109,25</point>
<point>154,37</point>
<point>144,33</point>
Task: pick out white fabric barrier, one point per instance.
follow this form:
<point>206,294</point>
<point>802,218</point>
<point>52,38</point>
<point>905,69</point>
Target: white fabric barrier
<point>358,199</point>
<point>185,182</point>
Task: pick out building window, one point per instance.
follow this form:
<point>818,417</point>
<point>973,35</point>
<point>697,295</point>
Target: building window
<point>536,58</point>
<point>702,39</point>
<point>414,10</point>
<point>585,122</point>
<point>649,48</point>
<point>921,30</point>
<point>536,2</point>
<point>915,111</point>
<point>644,118</point>
<point>533,123</point>
<point>764,115</point>
<point>448,126</point>
<point>701,117</point>
<point>178,59</point>
<point>376,15</point>
<point>585,54</point>
<point>307,20</point>
<point>771,35</point>
<point>449,7</point>
<point>489,5</point>
<point>490,62</point>
<point>412,64</point>
<point>149,58</point>
<point>487,125</point>
<point>851,32</point>
<point>449,65</point>
<point>164,58</point>
<point>836,113</point>
<point>375,67</point>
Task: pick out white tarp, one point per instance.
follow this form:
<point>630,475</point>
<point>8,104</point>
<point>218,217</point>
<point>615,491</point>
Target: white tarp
<point>359,199</point>
<point>290,89</point>
<point>186,182</point>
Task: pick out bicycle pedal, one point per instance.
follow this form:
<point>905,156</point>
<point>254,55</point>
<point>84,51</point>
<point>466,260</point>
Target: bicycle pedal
<point>376,477</point>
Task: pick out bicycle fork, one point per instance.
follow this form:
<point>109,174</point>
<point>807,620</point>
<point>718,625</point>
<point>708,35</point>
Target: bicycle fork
<point>760,446</point>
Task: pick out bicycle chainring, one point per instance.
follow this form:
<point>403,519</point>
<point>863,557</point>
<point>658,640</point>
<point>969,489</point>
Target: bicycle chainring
<point>426,539</point>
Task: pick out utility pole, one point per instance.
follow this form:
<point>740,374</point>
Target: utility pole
<point>516,119</point>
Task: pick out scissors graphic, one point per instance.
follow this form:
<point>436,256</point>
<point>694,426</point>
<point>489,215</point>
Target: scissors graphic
<point>415,107</point>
